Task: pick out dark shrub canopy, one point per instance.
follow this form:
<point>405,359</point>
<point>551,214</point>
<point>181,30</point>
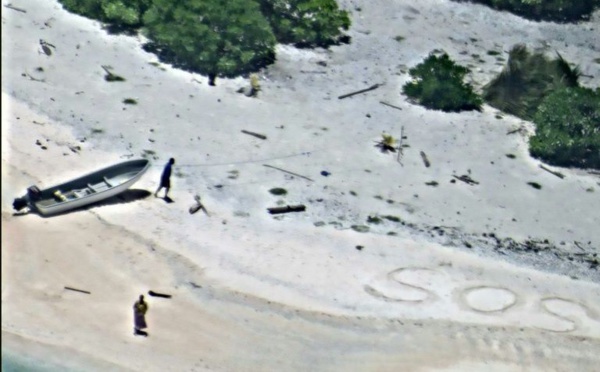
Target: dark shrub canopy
<point>438,84</point>
<point>568,128</point>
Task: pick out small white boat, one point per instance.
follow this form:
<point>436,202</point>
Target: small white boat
<point>91,188</point>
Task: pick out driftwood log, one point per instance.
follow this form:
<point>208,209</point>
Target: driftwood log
<point>156,294</point>
<point>425,160</point>
<point>287,209</point>
<point>390,105</point>
<point>10,6</point>
<point>466,179</point>
<point>257,135</point>
<point>77,290</point>
<point>372,87</point>
<point>557,174</point>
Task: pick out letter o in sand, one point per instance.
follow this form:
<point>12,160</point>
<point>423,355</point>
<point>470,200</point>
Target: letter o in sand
<point>489,299</point>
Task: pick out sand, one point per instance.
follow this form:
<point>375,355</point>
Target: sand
<point>423,289</point>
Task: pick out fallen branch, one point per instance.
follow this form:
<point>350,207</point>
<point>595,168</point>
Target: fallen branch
<point>10,6</point>
<point>372,87</point>
<point>156,294</point>
<point>425,160</point>
<point>287,209</point>
<point>557,174</point>
<point>312,72</point>
<point>257,135</point>
<point>77,290</point>
<point>594,172</point>
<point>34,79</point>
<point>466,179</point>
<point>390,105</point>
<point>292,173</point>
<point>579,246</point>
<point>513,131</point>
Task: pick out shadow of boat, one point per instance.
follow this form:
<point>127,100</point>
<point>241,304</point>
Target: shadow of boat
<point>127,196</point>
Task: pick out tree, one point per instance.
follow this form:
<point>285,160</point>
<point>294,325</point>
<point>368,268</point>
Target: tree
<point>306,22</point>
<point>568,128</point>
<point>217,38</point>
<point>119,13</point>
<point>526,80</point>
<point>545,10</point>
<point>438,84</point>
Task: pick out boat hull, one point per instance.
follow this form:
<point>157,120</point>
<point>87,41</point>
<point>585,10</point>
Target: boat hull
<point>91,188</point>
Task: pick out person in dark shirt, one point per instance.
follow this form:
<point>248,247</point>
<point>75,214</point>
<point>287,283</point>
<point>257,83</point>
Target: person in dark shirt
<point>165,178</point>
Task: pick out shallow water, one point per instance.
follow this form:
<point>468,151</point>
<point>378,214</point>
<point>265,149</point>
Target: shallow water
<point>12,362</point>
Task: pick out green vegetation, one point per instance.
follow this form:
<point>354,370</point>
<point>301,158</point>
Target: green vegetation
<point>374,220</point>
<point>116,12</point>
<point>438,84</point>
<point>545,10</point>
<point>215,38</point>
<point>306,23</point>
<point>278,191</point>
<point>130,101</point>
<point>568,128</point>
<point>547,92</point>
<point>527,78</point>
<point>392,218</point>
<point>220,37</point>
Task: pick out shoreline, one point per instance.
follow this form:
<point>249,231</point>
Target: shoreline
<point>253,291</point>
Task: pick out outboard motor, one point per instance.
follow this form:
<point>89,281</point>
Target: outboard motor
<point>33,193</point>
<point>20,203</point>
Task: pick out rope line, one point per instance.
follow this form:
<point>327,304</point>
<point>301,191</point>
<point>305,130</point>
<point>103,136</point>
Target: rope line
<point>305,153</point>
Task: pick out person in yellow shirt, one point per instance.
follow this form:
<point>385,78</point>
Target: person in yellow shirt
<point>140,307</point>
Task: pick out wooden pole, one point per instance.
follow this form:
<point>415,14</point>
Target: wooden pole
<point>372,87</point>
<point>10,6</point>
<point>77,290</point>
<point>390,105</point>
<point>257,135</point>
<point>557,174</point>
<point>400,147</point>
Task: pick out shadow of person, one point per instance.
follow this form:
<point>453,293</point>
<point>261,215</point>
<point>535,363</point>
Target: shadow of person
<point>139,332</point>
<point>169,200</point>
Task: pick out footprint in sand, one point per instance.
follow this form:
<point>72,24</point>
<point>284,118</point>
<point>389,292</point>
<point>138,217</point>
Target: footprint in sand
<point>487,299</point>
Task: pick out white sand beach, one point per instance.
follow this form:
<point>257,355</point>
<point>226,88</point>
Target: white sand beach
<point>431,286</point>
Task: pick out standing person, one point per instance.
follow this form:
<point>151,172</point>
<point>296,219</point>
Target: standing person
<point>165,178</point>
<point>140,307</point>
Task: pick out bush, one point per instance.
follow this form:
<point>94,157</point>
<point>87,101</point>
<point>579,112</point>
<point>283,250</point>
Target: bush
<point>568,128</point>
<point>438,84</point>
<point>545,10</point>
<point>117,12</point>
<point>306,22</point>
<point>217,38</point>
<point>526,80</point>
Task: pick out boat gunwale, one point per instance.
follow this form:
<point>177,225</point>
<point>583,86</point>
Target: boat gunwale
<point>63,206</point>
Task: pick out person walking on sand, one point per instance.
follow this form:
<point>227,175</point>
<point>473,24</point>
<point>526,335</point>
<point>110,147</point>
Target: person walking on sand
<point>140,307</point>
<point>165,178</point>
